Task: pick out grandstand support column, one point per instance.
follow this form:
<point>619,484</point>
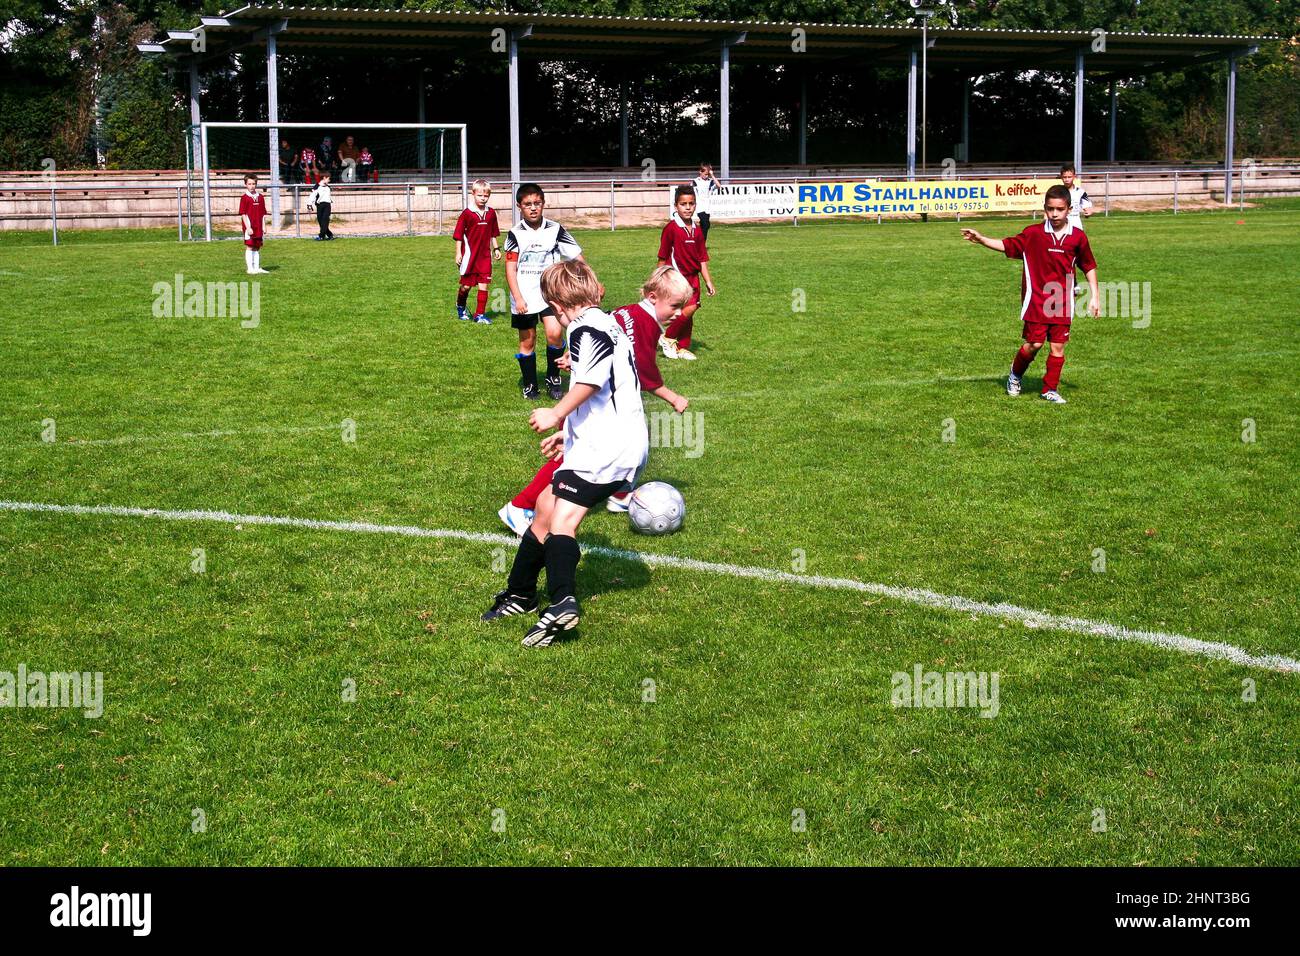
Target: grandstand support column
<point>273,116</point>
<point>622,124</point>
<point>512,52</point>
<point>724,112</point>
<point>911,113</point>
<point>803,118</point>
<point>1114,111</point>
<point>196,116</point>
<point>1078,110</point>
<point>420,159</point>
<point>724,102</point>
<point>965,120</point>
<point>1229,144</point>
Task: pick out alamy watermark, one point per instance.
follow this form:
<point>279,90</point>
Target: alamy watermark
<point>80,691</point>
<point>208,300</point>
<point>922,688</point>
<point>670,430</point>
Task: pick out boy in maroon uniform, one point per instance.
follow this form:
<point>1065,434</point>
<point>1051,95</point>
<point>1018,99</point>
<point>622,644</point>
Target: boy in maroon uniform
<point>662,297</point>
<point>681,245</point>
<point>476,246</point>
<point>252,217</point>
<point>1050,253</point>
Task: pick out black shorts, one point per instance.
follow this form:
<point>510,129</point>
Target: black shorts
<point>567,485</point>
<point>528,320</point>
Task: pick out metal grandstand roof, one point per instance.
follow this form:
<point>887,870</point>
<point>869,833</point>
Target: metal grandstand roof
<point>566,36</point>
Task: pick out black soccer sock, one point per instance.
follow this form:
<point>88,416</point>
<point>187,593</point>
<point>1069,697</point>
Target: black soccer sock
<point>528,366</point>
<point>553,352</point>
<point>562,556</point>
<point>529,561</point>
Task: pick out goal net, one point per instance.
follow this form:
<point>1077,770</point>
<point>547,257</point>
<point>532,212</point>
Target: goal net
<point>386,179</point>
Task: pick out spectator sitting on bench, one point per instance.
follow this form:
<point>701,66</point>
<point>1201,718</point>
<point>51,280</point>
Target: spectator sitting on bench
<point>366,171</point>
<point>288,163</point>
<point>307,166</point>
<point>327,157</point>
<point>348,154</point>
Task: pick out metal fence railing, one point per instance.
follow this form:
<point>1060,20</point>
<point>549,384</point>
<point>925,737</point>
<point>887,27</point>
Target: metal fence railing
<point>429,208</point>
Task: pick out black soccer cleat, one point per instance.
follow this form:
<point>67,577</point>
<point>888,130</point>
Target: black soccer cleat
<point>531,393</point>
<point>506,604</point>
<point>554,387</point>
<point>563,615</point>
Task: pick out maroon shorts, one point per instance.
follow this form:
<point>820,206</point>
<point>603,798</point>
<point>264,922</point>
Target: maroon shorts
<point>1046,332</point>
<point>473,277</point>
<point>695,290</point>
<point>254,243</point>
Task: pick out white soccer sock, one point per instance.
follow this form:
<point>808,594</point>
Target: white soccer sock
<point>257,258</point>
<point>248,259</point>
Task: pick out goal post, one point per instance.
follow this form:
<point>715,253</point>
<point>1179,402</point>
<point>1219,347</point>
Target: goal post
<point>401,162</point>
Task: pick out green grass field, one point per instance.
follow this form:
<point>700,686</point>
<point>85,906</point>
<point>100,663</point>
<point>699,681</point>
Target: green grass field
<point>823,441</point>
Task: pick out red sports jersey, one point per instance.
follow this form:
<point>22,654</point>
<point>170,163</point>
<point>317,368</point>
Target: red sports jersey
<point>254,207</point>
<point>681,245</point>
<point>643,329</point>
<point>475,232</point>
<point>1047,286</point>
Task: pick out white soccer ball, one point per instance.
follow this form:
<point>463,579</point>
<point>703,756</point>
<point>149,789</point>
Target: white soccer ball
<point>656,508</point>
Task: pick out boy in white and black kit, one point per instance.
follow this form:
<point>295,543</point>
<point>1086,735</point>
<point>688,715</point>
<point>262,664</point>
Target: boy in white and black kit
<point>320,200</point>
<point>1080,203</point>
<point>604,443</point>
<point>533,243</point>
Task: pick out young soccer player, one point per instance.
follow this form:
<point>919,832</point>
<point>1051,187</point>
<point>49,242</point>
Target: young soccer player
<point>320,201</point>
<point>252,219</point>
<point>1080,204</point>
<point>1050,253</point>
<point>705,185</point>
<point>681,245</point>
<point>533,243</point>
<point>604,443</point>
<point>662,297</point>
<point>476,246</point>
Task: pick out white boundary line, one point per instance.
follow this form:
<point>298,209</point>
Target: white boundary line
<point>917,596</point>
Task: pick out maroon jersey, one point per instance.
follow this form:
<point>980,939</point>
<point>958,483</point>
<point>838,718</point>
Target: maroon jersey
<point>1047,285</point>
<point>474,232</point>
<point>643,329</point>
<point>254,207</point>
<point>681,245</point>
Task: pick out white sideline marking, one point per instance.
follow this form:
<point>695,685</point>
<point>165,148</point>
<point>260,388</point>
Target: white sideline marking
<point>917,596</point>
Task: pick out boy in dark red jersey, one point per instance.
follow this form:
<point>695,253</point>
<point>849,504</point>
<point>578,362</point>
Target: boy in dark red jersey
<point>681,245</point>
<point>662,297</point>
<point>476,246</point>
<point>252,217</point>
<point>1050,253</point>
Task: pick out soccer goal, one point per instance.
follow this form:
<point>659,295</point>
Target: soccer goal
<point>386,178</point>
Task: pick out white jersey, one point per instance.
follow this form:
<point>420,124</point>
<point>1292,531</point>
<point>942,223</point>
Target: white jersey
<point>704,188</point>
<point>320,194</point>
<point>1078,202</point>
<point>605,437</point>
<point>533,250</point>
